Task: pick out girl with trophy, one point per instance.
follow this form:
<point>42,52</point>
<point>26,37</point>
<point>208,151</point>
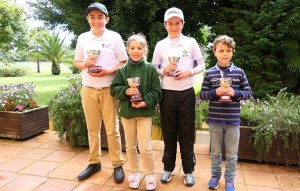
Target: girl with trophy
<point>137,87</point>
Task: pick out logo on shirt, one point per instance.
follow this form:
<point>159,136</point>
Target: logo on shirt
<point>185,53</point>
<point>106,45</point>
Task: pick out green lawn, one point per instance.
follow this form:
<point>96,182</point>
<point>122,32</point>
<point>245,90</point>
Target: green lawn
<point>46,83</point>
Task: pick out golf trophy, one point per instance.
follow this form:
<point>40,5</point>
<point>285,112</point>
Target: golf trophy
<point>225,82</point>
<point>94,54</point>
<point>173,60</point>
<point>134,83</point>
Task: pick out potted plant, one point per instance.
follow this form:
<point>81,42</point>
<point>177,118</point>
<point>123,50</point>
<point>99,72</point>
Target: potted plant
<point>270,130</point>
<point>20,116</point>
<point>202,131</point>
<point>67,114</point>
<point>156,126</point>
<point>277,135</point>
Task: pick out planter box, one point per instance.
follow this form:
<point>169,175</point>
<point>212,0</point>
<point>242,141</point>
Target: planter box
<point>156,133</point>
<point>21,125</point>
<point>248,152</point>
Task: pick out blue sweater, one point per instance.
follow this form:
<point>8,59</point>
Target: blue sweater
<point>220,112</point>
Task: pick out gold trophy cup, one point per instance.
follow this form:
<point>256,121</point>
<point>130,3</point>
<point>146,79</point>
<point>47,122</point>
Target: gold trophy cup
<point>225,82</point>
<point>134,83</point>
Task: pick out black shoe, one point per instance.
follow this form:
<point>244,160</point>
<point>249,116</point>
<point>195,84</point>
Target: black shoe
<point>91,169</point>
<point>119,175</point>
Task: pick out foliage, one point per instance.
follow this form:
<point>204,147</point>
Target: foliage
<point>125,13</point>
<point>51,48</point>
<point>267,37</point>
<point>17,97</point>
<point>66,113</point>
<point>13,31</point>
<point>278,122</point>
<point>201,112</point>
<point>156,117</point>
<point>250,111</point>
<point>12,71</point>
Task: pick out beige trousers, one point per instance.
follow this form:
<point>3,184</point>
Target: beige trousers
<point>98,104</point>
<point>138,133</point>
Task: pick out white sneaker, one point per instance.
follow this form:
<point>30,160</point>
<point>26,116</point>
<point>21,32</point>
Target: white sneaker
<point>134,180</point>
<point>150,182</point>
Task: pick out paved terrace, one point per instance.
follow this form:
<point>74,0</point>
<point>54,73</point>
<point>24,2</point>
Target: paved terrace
<point>43,164</point>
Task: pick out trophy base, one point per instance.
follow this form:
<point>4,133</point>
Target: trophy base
<point>172,74</point>
<point>136,98</point>
<point>94,69</point>
<point>225,98</point>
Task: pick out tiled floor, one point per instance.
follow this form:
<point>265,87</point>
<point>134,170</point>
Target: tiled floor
<point>43,164</point>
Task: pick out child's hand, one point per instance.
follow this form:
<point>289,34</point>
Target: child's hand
<point>181,74</point>
<point>222,91</point>
<point>103,72</point>
<point>138,105</point>
<point>169,68</point>
<point>230,91</point>
<point>132,91</point>
<point>89,62</point>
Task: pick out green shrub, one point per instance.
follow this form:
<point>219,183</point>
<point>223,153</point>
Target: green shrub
<point>12,71</point>
<point>66,113</point>
<point>250,111</point>
<point>278,122</point>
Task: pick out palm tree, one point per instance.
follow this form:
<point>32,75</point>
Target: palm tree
<point>50,47</point>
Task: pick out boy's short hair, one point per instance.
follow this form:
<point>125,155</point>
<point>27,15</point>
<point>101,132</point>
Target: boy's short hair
<point>173,12</point>
<point>224,39</point>
<point>97,6</point>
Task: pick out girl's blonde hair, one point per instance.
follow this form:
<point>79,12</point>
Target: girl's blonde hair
<point>141,38</point>
<point>224,39</point>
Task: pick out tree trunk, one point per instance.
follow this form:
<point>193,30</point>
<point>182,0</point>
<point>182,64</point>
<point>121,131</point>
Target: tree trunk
<point>38,65</point>
<point>55,69</point>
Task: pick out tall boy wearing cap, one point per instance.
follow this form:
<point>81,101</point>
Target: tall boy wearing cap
<point>97,102</point>
<point>178,100</point>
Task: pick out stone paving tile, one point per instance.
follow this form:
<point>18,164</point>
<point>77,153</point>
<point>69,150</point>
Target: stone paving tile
<point>261,178</point>
<point>24,183</point>
<point>42,163</point>
<point>60,156</point>
<point>16,164</point>
<point>37,154</point>
<point>57,185</point>
<point>40,168</point>
<point>6,177</point>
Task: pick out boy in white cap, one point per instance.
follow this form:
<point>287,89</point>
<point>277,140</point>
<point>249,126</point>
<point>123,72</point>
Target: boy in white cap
<point>178,95</point>
<point>104,49</point>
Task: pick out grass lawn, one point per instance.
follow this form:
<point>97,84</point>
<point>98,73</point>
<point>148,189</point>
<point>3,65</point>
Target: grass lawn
<point>46,83</point>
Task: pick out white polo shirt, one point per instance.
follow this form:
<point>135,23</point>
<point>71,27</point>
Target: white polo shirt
<point>112,52</point>
<point>190,55</point>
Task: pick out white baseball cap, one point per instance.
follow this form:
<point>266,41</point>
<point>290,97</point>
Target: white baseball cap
<point>173,12</point>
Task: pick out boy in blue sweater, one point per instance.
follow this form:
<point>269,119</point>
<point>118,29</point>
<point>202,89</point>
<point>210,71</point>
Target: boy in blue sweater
<point>224,116</point>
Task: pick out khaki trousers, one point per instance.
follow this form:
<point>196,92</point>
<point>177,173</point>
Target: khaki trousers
<point>98,104</point>
<point>138,133</point>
